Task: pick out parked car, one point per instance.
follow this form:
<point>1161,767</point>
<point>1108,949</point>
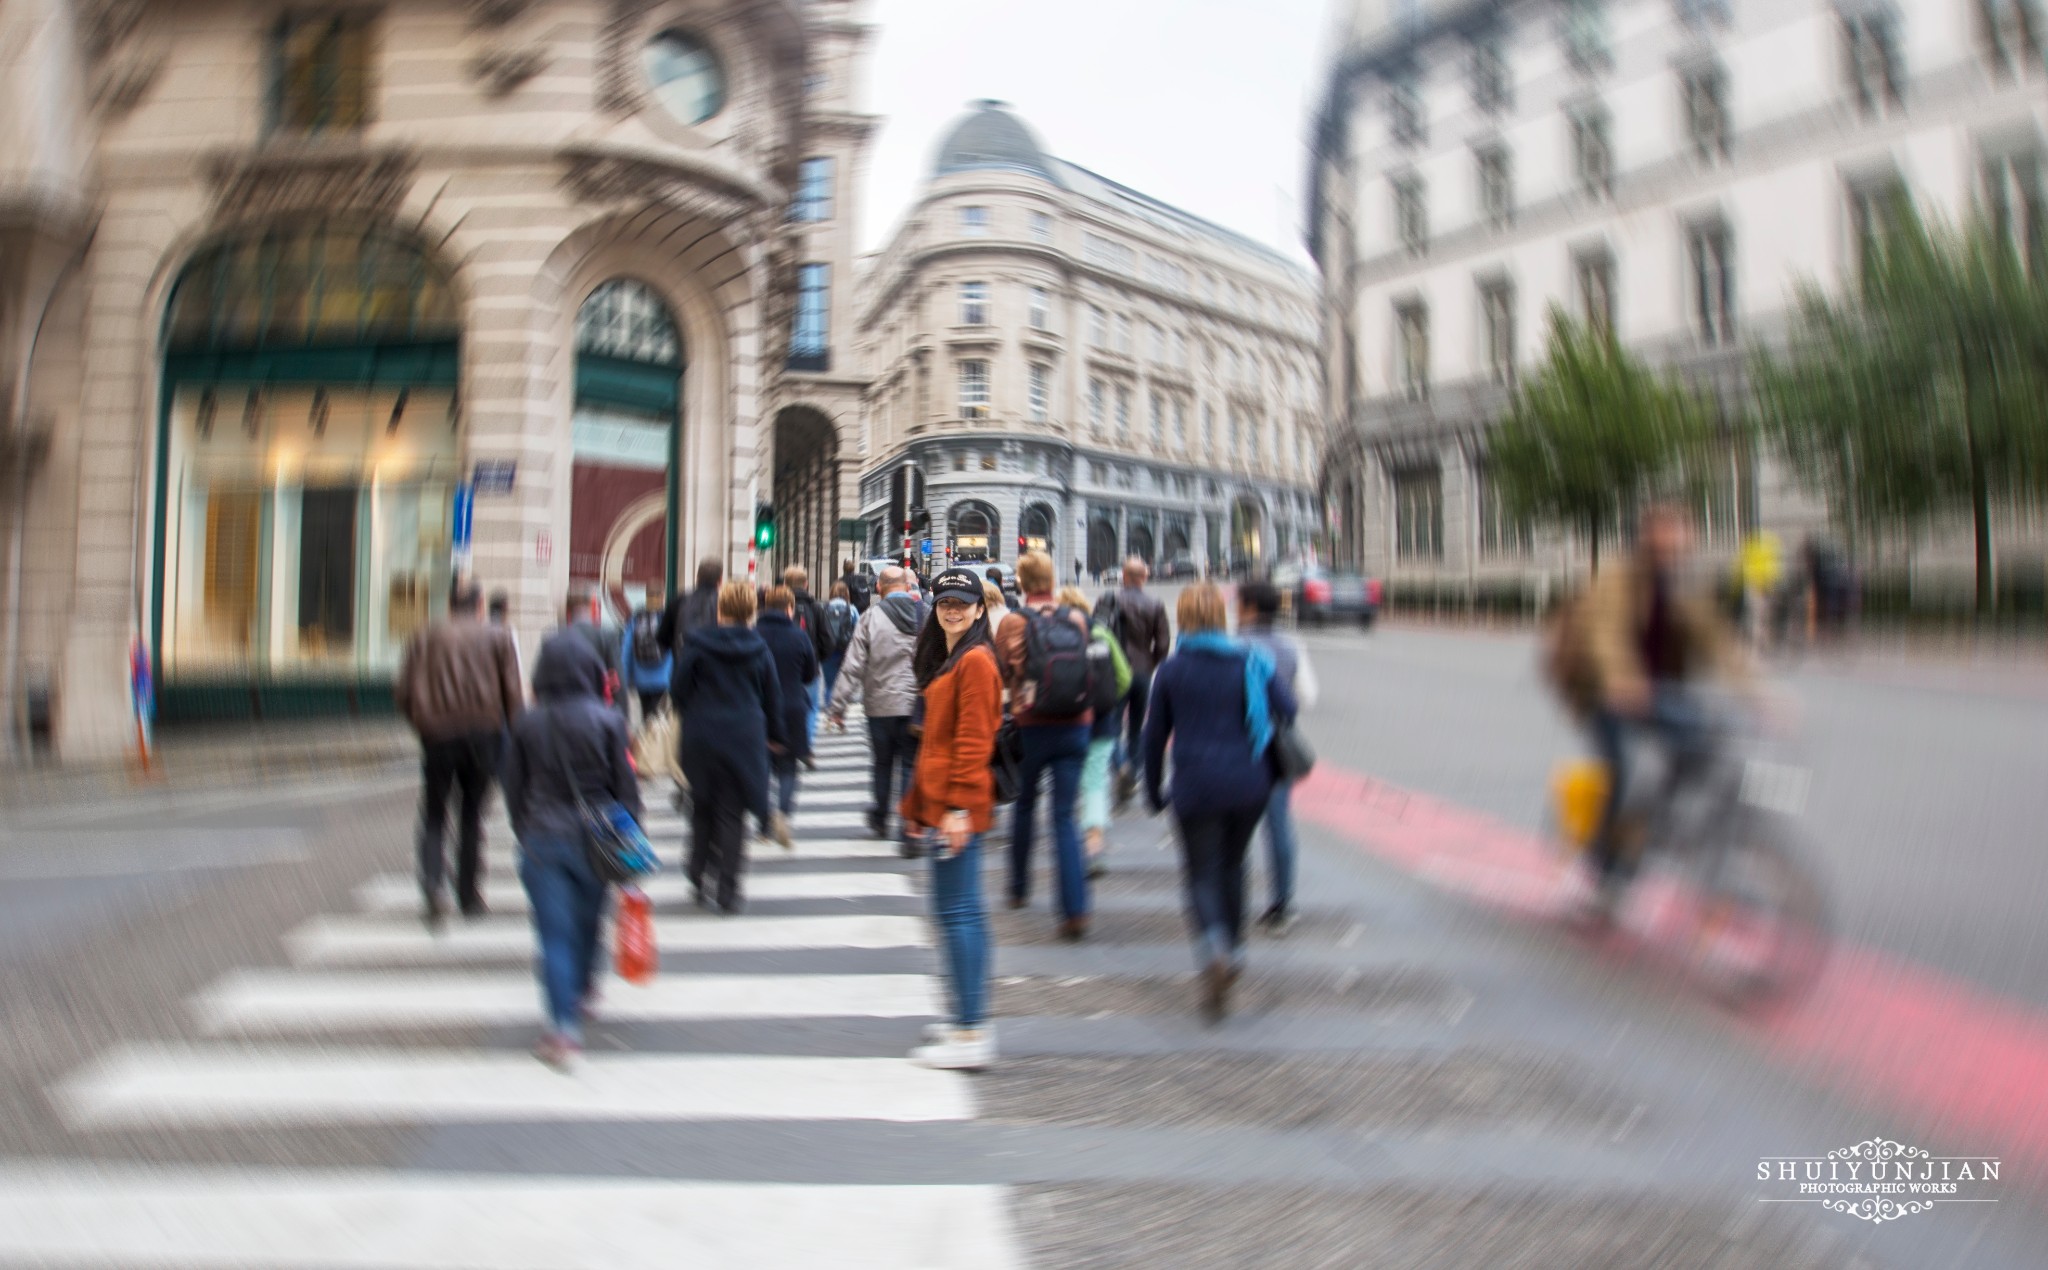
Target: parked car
<point>980,568</point>
<point>1180,568</point>
<point>1323,595</point>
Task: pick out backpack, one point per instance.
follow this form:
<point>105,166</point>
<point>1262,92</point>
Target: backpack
<point>647,652</point>
<point>839,620</point>
<point>861,588</point>
<point>1111,671</point>
<point>1058,677</point>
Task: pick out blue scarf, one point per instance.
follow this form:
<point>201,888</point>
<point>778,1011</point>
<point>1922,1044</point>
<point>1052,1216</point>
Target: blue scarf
<point>1258,673</point>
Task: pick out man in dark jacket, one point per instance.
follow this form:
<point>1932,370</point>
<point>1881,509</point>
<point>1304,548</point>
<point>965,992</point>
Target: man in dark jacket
<point>1141,625</point>
<point>796,676</point>
<point>860,590</point>
<point>579,616</point>
<point>810,615</point>
<point>692,611</point>
<point>730,703</point>
<point>459,688</point>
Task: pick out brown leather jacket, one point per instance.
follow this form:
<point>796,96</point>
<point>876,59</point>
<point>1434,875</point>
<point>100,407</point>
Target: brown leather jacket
<point>460,677</point>
<point>1617,604</point>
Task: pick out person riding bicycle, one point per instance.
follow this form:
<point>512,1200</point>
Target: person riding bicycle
<point>1629,658</point>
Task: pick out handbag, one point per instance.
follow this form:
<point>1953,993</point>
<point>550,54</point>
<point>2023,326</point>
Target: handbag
<point>633,936</point>
<point>613,843</point>
<point>1290,754</point>
<point>1006,761</point>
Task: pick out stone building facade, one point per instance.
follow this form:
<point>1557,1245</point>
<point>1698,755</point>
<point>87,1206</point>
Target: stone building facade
<point>1672,168</point>
<point>1059,361</point>
<point>322,303</point>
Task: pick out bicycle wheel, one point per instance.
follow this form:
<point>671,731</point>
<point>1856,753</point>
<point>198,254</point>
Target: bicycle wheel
<point>1761,926</point>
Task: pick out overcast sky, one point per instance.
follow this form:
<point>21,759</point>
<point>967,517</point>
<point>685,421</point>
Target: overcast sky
<point>1201,103</point>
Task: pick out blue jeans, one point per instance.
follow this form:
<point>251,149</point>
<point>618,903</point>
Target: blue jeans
<point>831,668</point>
<point>811,715</point>
<point>963,922</point>
<point>784,767</point>
<point>568,903</point>
<point>1676,720</point>
<point>1212,848</point>
<point>1280,848</point>
<point>1062,747</point>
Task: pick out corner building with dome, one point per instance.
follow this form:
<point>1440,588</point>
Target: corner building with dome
<point>308,306</point>
<point>1058,361</point>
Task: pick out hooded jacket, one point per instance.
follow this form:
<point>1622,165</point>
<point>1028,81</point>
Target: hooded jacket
<point>796,664</point>
<point>876,671</point>
<point>569,741</point>
<point>729,701</point>
<point>1198,702</point>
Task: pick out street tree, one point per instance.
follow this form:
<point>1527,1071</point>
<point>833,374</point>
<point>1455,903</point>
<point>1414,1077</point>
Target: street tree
<point>1924,391</point>
<point>1591,433</point>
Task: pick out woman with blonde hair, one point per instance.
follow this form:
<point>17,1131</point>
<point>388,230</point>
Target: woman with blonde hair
<point>1218,702</point>
<point>730,703</point>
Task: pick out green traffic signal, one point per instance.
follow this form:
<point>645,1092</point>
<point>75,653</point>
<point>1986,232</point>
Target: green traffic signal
<point>764,526</point>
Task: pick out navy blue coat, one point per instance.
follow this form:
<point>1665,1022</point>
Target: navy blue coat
<point>569,735</point>
<point>729,703</point>
<point>1198,701</point>
<point>796,664</point>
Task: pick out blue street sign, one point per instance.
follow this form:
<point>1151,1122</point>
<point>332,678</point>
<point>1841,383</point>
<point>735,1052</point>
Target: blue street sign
<point>927,546</point>
<point>493,477</point>
<point>465,514</point>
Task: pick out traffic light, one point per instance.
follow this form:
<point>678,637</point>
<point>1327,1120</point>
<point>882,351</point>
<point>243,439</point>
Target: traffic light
<point>764,526</point>
<point>1022,546</point>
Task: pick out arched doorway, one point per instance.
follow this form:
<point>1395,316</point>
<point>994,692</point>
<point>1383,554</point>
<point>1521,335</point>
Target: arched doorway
<point>1140,540</point>
<point>973,530</point>
<point>625,440</point>
<point>806,494</point>
<point>1035,529</point>
<point>1247,530</point>
<point>1101,544</point>
<point>1176,540</point>
<point>308,464</point>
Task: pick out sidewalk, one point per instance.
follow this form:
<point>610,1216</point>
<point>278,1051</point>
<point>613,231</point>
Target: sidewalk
<point>238,754</point>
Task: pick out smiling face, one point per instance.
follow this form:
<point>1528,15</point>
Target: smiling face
<point>957,615</point>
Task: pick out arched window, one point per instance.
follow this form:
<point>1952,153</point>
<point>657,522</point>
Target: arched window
<point>314,284</point>
<point>625,480</point>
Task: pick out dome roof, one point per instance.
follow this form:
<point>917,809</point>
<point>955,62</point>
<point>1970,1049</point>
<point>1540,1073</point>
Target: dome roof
<point>991,137</point>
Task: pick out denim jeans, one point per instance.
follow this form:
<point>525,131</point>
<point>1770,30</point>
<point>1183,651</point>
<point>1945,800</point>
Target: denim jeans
<point>1212,848</point>
<point>568,903</point>
<point>1132,755</point>
<point>784,768</point>
<point>1095,783</point>
<point>963,922</point>
<point>831,668</point>
<point>1676,721</point>
<point>1280,848</point>
<point>1062,748</point>
<point>811,715</point>
<point>892,752</point>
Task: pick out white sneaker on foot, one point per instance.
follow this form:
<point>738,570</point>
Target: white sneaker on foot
<point>961,1050</point>
<point>778,829</point>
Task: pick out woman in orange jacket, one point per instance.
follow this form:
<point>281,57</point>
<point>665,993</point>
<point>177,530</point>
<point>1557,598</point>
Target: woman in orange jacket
<point>951,803</point>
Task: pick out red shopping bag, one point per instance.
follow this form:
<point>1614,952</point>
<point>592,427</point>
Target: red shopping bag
<point>635,954</point>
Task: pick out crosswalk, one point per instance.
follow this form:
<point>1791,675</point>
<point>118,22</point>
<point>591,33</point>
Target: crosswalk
<point>377,1022</point>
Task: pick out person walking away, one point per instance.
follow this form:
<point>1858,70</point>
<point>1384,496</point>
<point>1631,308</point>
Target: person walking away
<point>1218,703</point>
<point>501,617</point>
<point>692,611</point>
<point>840,619</point>
<point>1258,612</point>
<point>859,587</point>
<point>458,686</point>
<point>570,746</point>
<point>951,802</point>
<point>580,614</point>
<point>730,703</point>
<point>1139,621</point>
<point>646,664</point>
<point>810,616</point>
<point>796,670</point>
<point>878,675</point>
<point>1627,660</point>
<point>1005,587</point>
<point>1042,650</point>
<point>1112,682</point>
<point>998,607</point>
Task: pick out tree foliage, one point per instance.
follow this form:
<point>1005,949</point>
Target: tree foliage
<point>1923,392</point>
<point>1591,433</point>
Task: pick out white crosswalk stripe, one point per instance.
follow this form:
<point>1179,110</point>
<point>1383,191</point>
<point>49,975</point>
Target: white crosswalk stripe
<point>279,1054</point>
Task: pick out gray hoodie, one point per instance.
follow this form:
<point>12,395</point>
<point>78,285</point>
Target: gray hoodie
<point>876,671</point>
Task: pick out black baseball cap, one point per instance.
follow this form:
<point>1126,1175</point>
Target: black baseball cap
<point>956,582</point>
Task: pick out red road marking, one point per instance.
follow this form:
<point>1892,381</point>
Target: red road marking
<point>1959,1063</point>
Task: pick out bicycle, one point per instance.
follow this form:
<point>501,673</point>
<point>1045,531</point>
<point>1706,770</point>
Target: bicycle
<point>1744,893</point>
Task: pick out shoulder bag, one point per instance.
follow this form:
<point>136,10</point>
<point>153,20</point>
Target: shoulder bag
<point>612,840</point>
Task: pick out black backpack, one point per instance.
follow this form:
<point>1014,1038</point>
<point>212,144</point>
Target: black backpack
<point>647,639</point>
<point>860,589</point>
<point>1102,667</point>
<point>1059,679</point>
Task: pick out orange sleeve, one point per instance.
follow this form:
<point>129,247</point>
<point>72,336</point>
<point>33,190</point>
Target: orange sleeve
<point>977,714</point>
<point>1010,647</point>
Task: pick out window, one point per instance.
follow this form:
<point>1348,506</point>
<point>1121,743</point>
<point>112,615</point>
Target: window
<point>1236,434</point>
<point>1500,533</point>
<point>1878,208</point>
<point>1713,281</point>
<point>810,339</point>
<point>1492,92</point>
<point>1497,325</point>
<point>1593,274</point>
<point>685,75</point>
<point>321,66</point>
<point>1419,515</point>
<point>1041,309</point>
<point>1041,227</point>
<point>1158,418</point>
<point>1123,333</point>
<point>1180,423</point>
<point>2009,34</point>
<point>974,304</point>
<point>2016,205</point>
<point>1155,342</point>
<point>974,221</point>
<point>1039,398</point>
<point>1098,327</point>
<point>1704,91</point>
<point>1123,410</point>
<point>988,462</point>
<point>1411,350</point>
<point>1209,428</point>
<point>1404,111</point>
<point>1107,253</point>
<point>1097,407</point>
<point>974,390</point>
<point>1592,151</point>
<point>813,191</point>
<point>1180,349</point>
<point>1870,53</point>
<point>1586,43</point>
<point>1411,213</point>
<point>1496,186</point>
<point>959,460</point>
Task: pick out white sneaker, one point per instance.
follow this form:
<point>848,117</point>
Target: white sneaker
<point>961,1050</point>
<point>778,829</point>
